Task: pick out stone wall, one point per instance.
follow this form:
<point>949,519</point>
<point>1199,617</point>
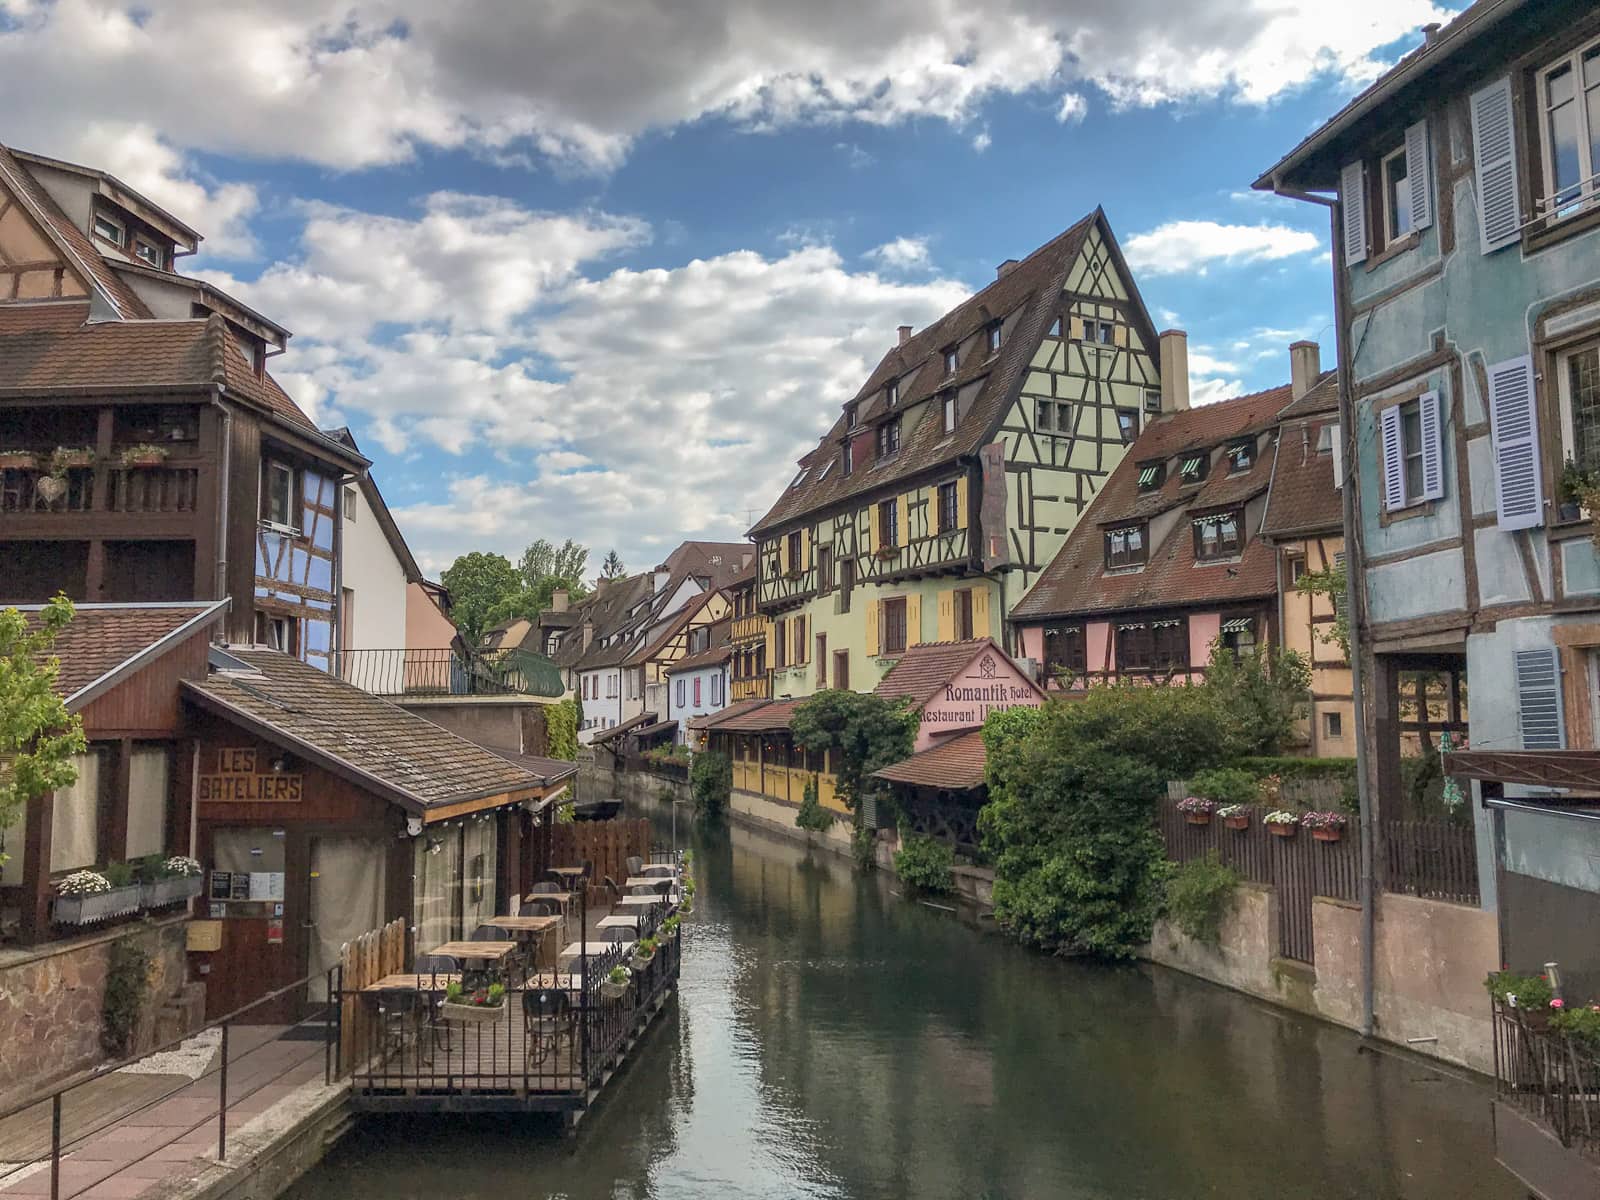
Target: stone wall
<point>51,999</point>
<point>1430,959</point>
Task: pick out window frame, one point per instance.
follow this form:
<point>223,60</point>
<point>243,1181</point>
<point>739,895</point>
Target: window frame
<point>272,468</point>
<point>961,614</point>
<point>952,360</point>
<point>120,240</point>
<point>950,410</point>
<point>995,336</point>
<point>1128,561</point>
<point>1153,645</point>
<point>1330,719</point>
<point>947,504</point>
<point>1587,187</point>
<point>1152,400</point>
<point>154,259</point>
<point>1202,459</point>
<point>1159,477</point>
<point>1563,372</point>
<point>1128,424</point>
<point>891,393</point>
<point>1386,181</point>
<point>1044,415</point>
<point>1223,552</point>
<point>1065,645</point>
<point>1245,446</point>
<point>893,605</point>
<point>795,543</point>
<point>887,439</point>
<point>888,524</point>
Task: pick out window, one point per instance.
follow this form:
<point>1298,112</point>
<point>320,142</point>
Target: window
<point>1569,130</point>
<point>1128,425</point>
<point>797,551</point>
<point>1125,547</point>
<point>1241,455</point>
<point>1102,332</point>
<point>995,336</point>
<point>277,633</point>
<point>888,525</point>
<point>889,438</point>
<point>350,504</point>
<point>852,415</point>
<point>1044,416</point>
<point>1152,475</point>
<point>963,614</point>
<point>1297,568</point>
<point>1153,645</point>
<point>948,515</point>
<point>277,495</point>
<point>552,643</point>
<point>1333,725</point>
<point>950,360</point>
<point>799,631</point>
<point>253,351</point>
<point>148,252</point>
<point>949,412</point>
<point>799,478</point>
<point>1325,438</point>
<point>1396,196</point>
<point>780,645</point>
<point>1055,327</point>
<point>847,458</point>
<point>1578,381</point>
<point>893,640</point>
<point>841,669</point>
<point>1410,443</point>
<point>1065,650</point>
<point>111,231</point>
<point>1239,636</point>
<point>891,394</point>
<point>825,568</point>
<point>1152,400</point>
<point>1194,466</point>
<point>822,660</point>
<point>847,583</point>
<point>716,690</point>
<point>682,690</point>
<point>1218,536</point>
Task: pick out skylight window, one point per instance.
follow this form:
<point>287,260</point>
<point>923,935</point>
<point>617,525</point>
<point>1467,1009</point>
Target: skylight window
<point>800,478</point>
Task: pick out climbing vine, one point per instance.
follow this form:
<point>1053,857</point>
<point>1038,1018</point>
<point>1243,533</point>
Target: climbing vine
<point>127,980</point>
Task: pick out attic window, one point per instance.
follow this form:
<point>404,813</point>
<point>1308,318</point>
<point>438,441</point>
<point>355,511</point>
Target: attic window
<point>1193,467</point>
<point>1241,455</point>
<point>1217,536</point>
<point>995,335</point>
<point>889,438</point>
<point>1152,400</point>
<point>852,417</point>
<point>1152,476</point>
<point>800,478</point>
<point>826,467</point>
<point>1324,438</point>
<point>1128,425</point>
<point>891,393</point>
<point>950,360</point>
<point>148,252</point>
<point>949,405</point>
<point>1125,547</point>
<point>111,231</point>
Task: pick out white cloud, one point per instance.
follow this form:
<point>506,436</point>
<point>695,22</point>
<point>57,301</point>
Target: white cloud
<point>1183,247</point>
<point>902,254</point>
<point>1073,109</point>
<point>357,85</point>
<point>981,141</point>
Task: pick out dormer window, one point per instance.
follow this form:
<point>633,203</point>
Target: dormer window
<point>846,461</point>
<point>1194,466</point>
<point>1241,455</point>
<point>949,406</point>
<point>1218,536</point>
<point>889,438</point>
<point>148,253</point>
<point>1152,400</point>
<point>891,394</point>
<point>852,417</point>
<point>996,334</point>
<point>109,230</point>
<point>1125,547</point>
<point>1152,475</point>
<point>950,360</point>
<point>800,478</point>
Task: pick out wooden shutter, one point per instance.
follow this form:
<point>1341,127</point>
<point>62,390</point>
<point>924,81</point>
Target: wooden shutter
<point>947,615</point>
<point>822,660</point>
<point>902,532</point>
<point>1494,158</point>
<point>1419,178</point>
<point>980,612</point>
<point>783,555</point>
<point>1539,714</point>
<point>873,632</point>
<point>1432,448</point>
<point>772,645</point>
<point>913,619</point>
<point>875,521</point>
<point>1336,447</point>
<point>961,503</point>
<point>1394,474</point>
<point>1514,426</point>
<point>1353,197</point>
<point>1075,328</point>
<point>805,550</point>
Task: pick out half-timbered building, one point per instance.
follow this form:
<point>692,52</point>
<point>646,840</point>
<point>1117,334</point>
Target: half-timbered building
<point>954,474</point>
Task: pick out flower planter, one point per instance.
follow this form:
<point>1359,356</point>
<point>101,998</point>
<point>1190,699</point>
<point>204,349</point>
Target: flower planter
<point>1327,834</point>
<point>143,460</point>
<point>472,1014</point>
<point>1535,1018</point>
<point>18,462</point>
<point>1197,818</point>
<point>1236,822</point>
<point>1286,831</point>
<point>99,906</point>
<point>613,991</point>
<point>72,459</point>
<point>175,890</point>
<point>641,961</point>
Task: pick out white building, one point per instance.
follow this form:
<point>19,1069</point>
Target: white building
<point>375,568</point>
<point>697,684</point>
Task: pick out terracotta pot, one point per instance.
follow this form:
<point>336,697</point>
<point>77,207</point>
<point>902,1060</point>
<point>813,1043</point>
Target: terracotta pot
<point>1236,822</point>
<point>1277,830</point>
<point>1327,835</point>
<point>18,462</point>
<point>1198,818</point>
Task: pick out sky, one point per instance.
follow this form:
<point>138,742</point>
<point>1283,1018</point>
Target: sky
<point>605,270</point>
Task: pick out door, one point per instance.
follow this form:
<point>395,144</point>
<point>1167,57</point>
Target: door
<point>345,892</point>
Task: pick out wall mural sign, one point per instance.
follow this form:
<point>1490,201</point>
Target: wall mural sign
<point>992,508</point>
<point>991,684</point>
<point>241,778</point>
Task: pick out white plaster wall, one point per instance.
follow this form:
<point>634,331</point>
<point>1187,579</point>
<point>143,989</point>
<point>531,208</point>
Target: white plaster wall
<point>369,568</point>
<point>1501,579</point>
<point>1418,587</point>
<point>682,713</point>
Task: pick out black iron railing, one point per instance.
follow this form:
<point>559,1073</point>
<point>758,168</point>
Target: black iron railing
<point>449,672</point>
<point>1552,1078</point>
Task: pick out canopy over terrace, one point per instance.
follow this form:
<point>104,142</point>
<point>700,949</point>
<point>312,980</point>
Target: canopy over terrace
<point>755,736</point>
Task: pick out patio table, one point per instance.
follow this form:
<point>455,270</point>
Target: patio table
<point>620,921</point>
<point>660,883</point>
<point>532,929</point>
<point>424,981</point>
<point>572,955</point>
<point>647,901</point>
<point>482,962</point>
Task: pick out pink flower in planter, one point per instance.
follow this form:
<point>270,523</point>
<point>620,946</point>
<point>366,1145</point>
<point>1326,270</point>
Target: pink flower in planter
<point>1556,1002</point>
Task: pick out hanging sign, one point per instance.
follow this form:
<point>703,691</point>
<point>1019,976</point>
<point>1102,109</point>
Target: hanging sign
<point>240,780</point>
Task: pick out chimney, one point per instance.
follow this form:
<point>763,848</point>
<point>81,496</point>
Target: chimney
<point>1429,32</point>
<point>1174,371</point>
<point>905,335</point>
<point>1005,268</point>
<point>558,600</point>
<point>588,635</point>
<point>1305,367</point>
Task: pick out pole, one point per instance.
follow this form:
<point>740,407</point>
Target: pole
<point>55,1147</point>
<point>222,1100</point>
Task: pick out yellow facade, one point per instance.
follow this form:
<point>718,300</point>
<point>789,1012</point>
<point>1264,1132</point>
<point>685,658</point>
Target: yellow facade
<point>1307,620</point>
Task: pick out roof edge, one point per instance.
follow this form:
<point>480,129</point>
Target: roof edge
<point>208,615</point>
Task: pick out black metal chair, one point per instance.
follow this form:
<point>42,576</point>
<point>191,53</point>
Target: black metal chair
<point>635,864</point>
<point>545,888</point>
<point>617,933</point>
<point>642,889</point>
<point>488,933</point>
<point>546,1019</point>
<point>588,869</point>
<point>556,878</point>
<point>540,908</point>
<point>437,965</point>
<point>402,1014</point>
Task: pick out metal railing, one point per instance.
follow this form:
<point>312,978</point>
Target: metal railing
<point>449,672</point>
<point>62,1144</point>
<point>1552,1078</point>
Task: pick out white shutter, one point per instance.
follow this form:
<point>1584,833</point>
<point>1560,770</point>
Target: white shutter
<point>1514,426</point>
<point>1419,175</point>
<point>1494,156</point>
<point>1353,195</point>
<point>1336,445</point>
<point>1432,448</point>
<point>1539,699</point>
<point>1394,472</point>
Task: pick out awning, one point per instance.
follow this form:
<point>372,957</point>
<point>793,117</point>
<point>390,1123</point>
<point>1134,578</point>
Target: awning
<point>1147,476</point>
<point>628,726</point>
<point>1239,625</point>
<point>658,727</point>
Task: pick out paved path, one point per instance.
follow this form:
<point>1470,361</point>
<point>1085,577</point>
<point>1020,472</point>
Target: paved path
<point>122,1154</point>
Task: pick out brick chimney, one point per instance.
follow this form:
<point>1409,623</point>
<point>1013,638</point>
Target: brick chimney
<point>1174,371</point>
<point>905,335</point>
<point>558,600</point>
<point>588,634</point>
<point>1005,268</point>
<point>1305,367</point>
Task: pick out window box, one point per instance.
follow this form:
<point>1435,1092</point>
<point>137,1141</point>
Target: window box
<point>885,553</point>
<point>98,906</point>
<point>162,892</point>
<point>69,458</point>
<point>472,1014</point>
<point>18,460</point>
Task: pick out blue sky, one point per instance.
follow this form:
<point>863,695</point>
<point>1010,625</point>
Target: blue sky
<point>604,271</point>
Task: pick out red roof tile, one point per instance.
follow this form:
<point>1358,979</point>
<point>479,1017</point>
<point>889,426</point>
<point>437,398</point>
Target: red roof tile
<point>101,638</point>
<point>922,670</point>
<point>957,763</point>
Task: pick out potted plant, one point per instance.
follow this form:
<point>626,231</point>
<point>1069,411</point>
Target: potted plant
<point>84,897</point>
<point>480,1005</point>
<point>644,950</point>
<point>144,454</point>
<point>1580,1023</point>
<point>669,927</point>
<point>67,458</point>
<point>169,881</point>
<point>1529,997</point>
<point>1325,826</point>
<point>18,460</point>
<point>1196,810</point>
<point>1235,816</point>
<point>885,553</point>
<point>615,985</point>
<point>1281,823</point>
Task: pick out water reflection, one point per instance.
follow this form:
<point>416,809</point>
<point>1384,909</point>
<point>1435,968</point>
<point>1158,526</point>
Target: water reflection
<point>832,1040</point>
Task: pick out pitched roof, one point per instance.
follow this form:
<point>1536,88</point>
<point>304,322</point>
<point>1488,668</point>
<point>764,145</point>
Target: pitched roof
<point>1077,581</point>
<point>1031,290</point>
<point>922,670</point>
<point>548,770</point>
<point>956,763</point>
<point>694,662</point>
<point>408,760</point>
<point>1302,498</point>
<point>105,643</point>
<point>750,716</point>
<point>1320,397</point>
<point>631,725</point>
<point>116,185</point>
<point>713,720</point>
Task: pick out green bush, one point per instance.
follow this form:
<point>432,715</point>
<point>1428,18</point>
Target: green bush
<point>561,728</point>
<point>1199,895</point>
<point>1266,693</point>
<point>1582,1025</point>
<point>864,846</point>
<point>711,781</point>
<point>923,865</point>
<point>127,980</point>
<point>1287,768</point>
<point>812,815</point>
<point>1226,785</point>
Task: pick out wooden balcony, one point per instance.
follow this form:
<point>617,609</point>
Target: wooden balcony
<point>79,502</point>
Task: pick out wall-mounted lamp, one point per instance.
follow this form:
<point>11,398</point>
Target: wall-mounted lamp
<point>413,826</point>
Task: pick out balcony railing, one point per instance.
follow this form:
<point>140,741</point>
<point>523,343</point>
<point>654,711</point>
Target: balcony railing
<point>106,488</point>
<point>1552,1078</point>
<point>449,672</point>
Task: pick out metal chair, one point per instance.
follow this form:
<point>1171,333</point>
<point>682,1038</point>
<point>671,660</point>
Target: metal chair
<point>642,889</point>
<point>617,933</point>
<point>556,878</point>
<point>437,965</point>
<point>401,1015</point>
<point>546,1017</point>
<point>588,868</point>
<point>545,888</point>
<point>540,908</point>
<point>488,933</point>
<point>635,864</point>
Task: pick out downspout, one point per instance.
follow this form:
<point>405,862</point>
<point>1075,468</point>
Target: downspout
<point>223,486</point>
<point>1354,590</point>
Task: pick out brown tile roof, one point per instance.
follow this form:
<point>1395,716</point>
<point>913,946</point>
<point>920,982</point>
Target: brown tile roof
<point>1302,498</point>
<point>408,760</point>
<point>1076,580</point>
<point>956,763</point>
<point>549,770</point>
<point>750,716</point>
<point>631,725</point>
<point>46,316</point>
<point>712,720</point>
<point>923,670</point>
<point>1320,397</point>
<point>717,652</point>
<point>101,638</point>
<point>1031,288</point>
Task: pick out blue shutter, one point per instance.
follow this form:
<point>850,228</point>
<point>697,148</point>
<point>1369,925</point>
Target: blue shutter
<point>1394,475</point>
<point>1432,448</point>
<point>1514,427</point>
<point>1494,162</point>
<point>1353,198</point>
<point>1539,699</point>
<point>1419,176</point>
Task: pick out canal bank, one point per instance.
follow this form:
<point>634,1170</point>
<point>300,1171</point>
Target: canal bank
<point>832,1041</point>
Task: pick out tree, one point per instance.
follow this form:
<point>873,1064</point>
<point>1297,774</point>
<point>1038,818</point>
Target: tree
<point>612,568</point>
<point>38,736</point>
<point>1267,692</point>
<point>478,582</point>
<point>711,783</point>
<point>544,561</point>
<point>867,732</point>
<point>1333,583</point>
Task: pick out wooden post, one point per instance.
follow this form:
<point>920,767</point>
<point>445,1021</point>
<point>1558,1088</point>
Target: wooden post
<point>36,869</point>
<point>114,815</point>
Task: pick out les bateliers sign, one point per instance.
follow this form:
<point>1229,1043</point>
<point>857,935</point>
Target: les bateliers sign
<point>239,781</point>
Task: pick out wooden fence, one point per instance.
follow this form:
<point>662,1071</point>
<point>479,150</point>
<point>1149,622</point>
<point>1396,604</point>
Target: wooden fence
<point>1437,860</point>
<point>366,960</point>
<point>607,844</point>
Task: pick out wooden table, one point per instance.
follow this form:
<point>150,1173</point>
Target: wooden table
<point>574,953</point>
<point>658,883</point>
<point>568,872</point>
<point>620,921</point>
<point>646,901</point>
<point>425,981</point>
<point>488,952</point>
<point>530,928</point>
<point>562,899</point>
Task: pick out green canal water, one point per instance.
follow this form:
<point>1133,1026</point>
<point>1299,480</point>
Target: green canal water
<point>832,1040</point>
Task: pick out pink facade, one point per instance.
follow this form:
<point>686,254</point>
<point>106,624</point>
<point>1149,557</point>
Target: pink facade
<point>426,627</point>
<point>990,683</point>
<point>1100,652</point>
<point>1204,628</point>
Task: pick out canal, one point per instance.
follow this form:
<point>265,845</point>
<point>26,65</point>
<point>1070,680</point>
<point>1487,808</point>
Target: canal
<point>832,1040</point>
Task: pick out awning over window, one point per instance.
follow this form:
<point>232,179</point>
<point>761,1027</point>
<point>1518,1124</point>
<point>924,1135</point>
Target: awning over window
<point>1147,476</point>
<point>1167,624</point>
<point>1239,625</point>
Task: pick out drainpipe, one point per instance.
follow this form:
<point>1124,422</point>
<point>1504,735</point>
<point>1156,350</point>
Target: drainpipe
<point>1354,590</point>
<point>223,485</point>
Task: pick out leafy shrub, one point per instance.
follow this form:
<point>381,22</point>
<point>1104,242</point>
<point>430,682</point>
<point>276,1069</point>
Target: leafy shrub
<point>923,865</point>
<point>711,781</point>
<point>561,728</point>
<point>1267,693</point>
<point>1582,1025</point>
<point>1199,895</point>
<point>127,980</point>
<point>1531,991</point>
<point>1226,785</point>
<point>864,846</point>
<point>812,815</point>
